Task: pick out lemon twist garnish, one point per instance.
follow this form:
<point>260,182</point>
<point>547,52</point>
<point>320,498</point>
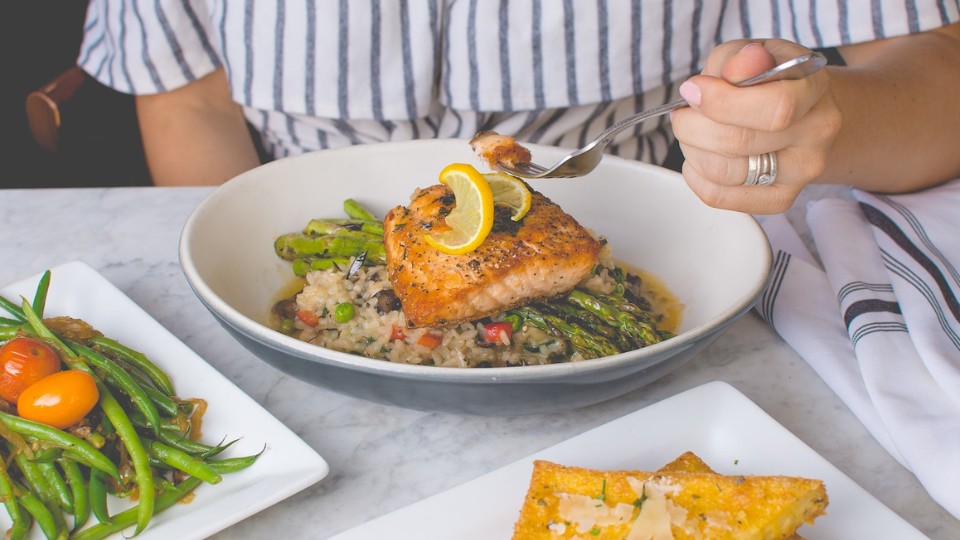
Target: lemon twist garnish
<point>511,192</point>
<point>471,219</point>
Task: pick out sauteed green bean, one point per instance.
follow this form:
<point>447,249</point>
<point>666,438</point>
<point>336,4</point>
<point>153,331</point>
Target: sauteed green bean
<point>138,440</point>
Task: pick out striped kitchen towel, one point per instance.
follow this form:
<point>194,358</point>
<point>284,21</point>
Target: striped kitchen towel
<point>880,319</point>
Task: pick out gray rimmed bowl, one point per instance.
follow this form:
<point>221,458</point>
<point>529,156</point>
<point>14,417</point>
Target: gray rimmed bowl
<point>717,262</point>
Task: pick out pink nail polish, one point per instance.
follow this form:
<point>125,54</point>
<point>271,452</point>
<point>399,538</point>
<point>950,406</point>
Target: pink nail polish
<point>690,92</point>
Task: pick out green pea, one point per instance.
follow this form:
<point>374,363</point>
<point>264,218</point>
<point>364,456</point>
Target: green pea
<point>343,312</point>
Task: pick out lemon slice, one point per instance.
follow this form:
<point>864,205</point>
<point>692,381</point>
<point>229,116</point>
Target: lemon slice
<point>471,219</point>
<point>511,192</point>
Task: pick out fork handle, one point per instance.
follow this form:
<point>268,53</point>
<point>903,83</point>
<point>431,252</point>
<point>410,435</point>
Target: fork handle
<point>797,68</point>
<point>608,134</point>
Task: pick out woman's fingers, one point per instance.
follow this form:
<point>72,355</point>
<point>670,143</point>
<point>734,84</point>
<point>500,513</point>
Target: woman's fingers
<point>772,199</point>
<point>796,120</point>
<point>718,151</point>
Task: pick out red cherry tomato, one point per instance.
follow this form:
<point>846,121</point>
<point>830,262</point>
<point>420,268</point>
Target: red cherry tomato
<point>59,400</point>
<point>24,361</point>
<point>494,332</point>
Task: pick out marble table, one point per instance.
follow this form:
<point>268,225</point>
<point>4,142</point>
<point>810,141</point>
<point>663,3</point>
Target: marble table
<point>383,458</point>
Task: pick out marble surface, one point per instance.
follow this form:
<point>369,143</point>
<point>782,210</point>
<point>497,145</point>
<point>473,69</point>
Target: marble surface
<point>384,458</point>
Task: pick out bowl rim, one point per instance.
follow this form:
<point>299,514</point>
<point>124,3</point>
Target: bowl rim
<point>276,340</point>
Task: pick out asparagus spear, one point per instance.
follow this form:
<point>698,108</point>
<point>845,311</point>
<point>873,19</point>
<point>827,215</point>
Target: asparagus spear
<point>346,244</point>
<point>318,227</point>
<point>356,211</point>
<point>588,344</point>
<point>641,331</point>
<point>304,265</point>
<point>592,322</point>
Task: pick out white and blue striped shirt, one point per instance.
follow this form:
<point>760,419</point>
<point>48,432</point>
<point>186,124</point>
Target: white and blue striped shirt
<point>313,74</point>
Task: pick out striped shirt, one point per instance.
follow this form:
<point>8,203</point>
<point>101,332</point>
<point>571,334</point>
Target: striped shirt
<point>314,74</point>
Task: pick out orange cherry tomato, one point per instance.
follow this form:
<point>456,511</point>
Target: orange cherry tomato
<point>59,400</point>
<point>24,361</point>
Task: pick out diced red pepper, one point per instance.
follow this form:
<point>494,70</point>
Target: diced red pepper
<point>495,332</point>
<point>308,317</point>
<point>430,340</point>
<point>397,333</point>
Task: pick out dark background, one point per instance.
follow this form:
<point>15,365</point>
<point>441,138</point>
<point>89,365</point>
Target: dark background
<point>99,140</point>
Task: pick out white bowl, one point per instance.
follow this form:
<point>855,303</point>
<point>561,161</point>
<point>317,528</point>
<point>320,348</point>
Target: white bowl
<point>717,263</point>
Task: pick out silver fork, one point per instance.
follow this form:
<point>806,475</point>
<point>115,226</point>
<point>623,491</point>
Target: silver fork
<point>587,158</point>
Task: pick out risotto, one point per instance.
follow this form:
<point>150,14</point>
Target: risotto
<point>376,327</point>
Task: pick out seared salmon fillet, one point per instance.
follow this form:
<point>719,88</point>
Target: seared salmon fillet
<point>492,147</point>
<point>545,254</point>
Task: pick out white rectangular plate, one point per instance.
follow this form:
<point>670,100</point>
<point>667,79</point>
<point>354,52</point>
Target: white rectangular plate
<point>721,425</point>
<point>287,464</point>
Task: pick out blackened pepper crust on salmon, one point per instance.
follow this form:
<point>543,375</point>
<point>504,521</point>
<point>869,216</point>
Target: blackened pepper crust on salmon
<point>545,255</point>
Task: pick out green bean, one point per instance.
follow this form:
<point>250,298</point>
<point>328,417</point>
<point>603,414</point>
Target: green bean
<point>21,527</point>
<point>230,465</point>
<point>124,381</point>
<point>41,330</point>
<point>138,359</point>
<point>356,210</point>
<point>40,488</point>
<point>48,454</point>
<point>21,521</point>
<point>34,478</point>
<point>40,296</point>
<point>138,455</point>
<point>58,486</point>
<point>9,332</point>
<point>162,401</point>
<point>95,439</point>
<point>79,491</point>
<point>41,514</point>
<point>106,426</point>
<point>183,461</point>
<point>195,448</point>
<point>97,491</point>
<point>77,447</point>
<point>126,518</point>
<point>12,309</point>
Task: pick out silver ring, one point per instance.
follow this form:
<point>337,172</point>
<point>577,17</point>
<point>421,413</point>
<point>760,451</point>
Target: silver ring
<point>761,169</point>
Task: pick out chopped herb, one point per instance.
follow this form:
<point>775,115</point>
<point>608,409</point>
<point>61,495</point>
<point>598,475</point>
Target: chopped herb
<point>642,499</point>
<point>595,531</point>
<point>736,462</point>
<point>603,491</point>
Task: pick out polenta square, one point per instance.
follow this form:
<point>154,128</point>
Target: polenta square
<point>684,500</point>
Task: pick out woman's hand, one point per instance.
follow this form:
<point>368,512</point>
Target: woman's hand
<point>796,119</point>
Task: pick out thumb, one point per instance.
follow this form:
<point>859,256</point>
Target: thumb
<point>753,59</point>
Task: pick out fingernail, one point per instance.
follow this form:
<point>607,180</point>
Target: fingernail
<point>690,92</point>
<point>751,45</point>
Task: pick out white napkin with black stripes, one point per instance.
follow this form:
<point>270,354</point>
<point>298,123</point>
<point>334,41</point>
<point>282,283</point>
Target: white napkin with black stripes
<point>880,320</point>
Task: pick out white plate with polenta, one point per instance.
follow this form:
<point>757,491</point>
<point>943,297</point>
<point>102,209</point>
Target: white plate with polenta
<point>715,421</point>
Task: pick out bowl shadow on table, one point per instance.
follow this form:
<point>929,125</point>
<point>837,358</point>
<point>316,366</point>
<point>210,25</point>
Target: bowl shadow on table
<point>717,263</point>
